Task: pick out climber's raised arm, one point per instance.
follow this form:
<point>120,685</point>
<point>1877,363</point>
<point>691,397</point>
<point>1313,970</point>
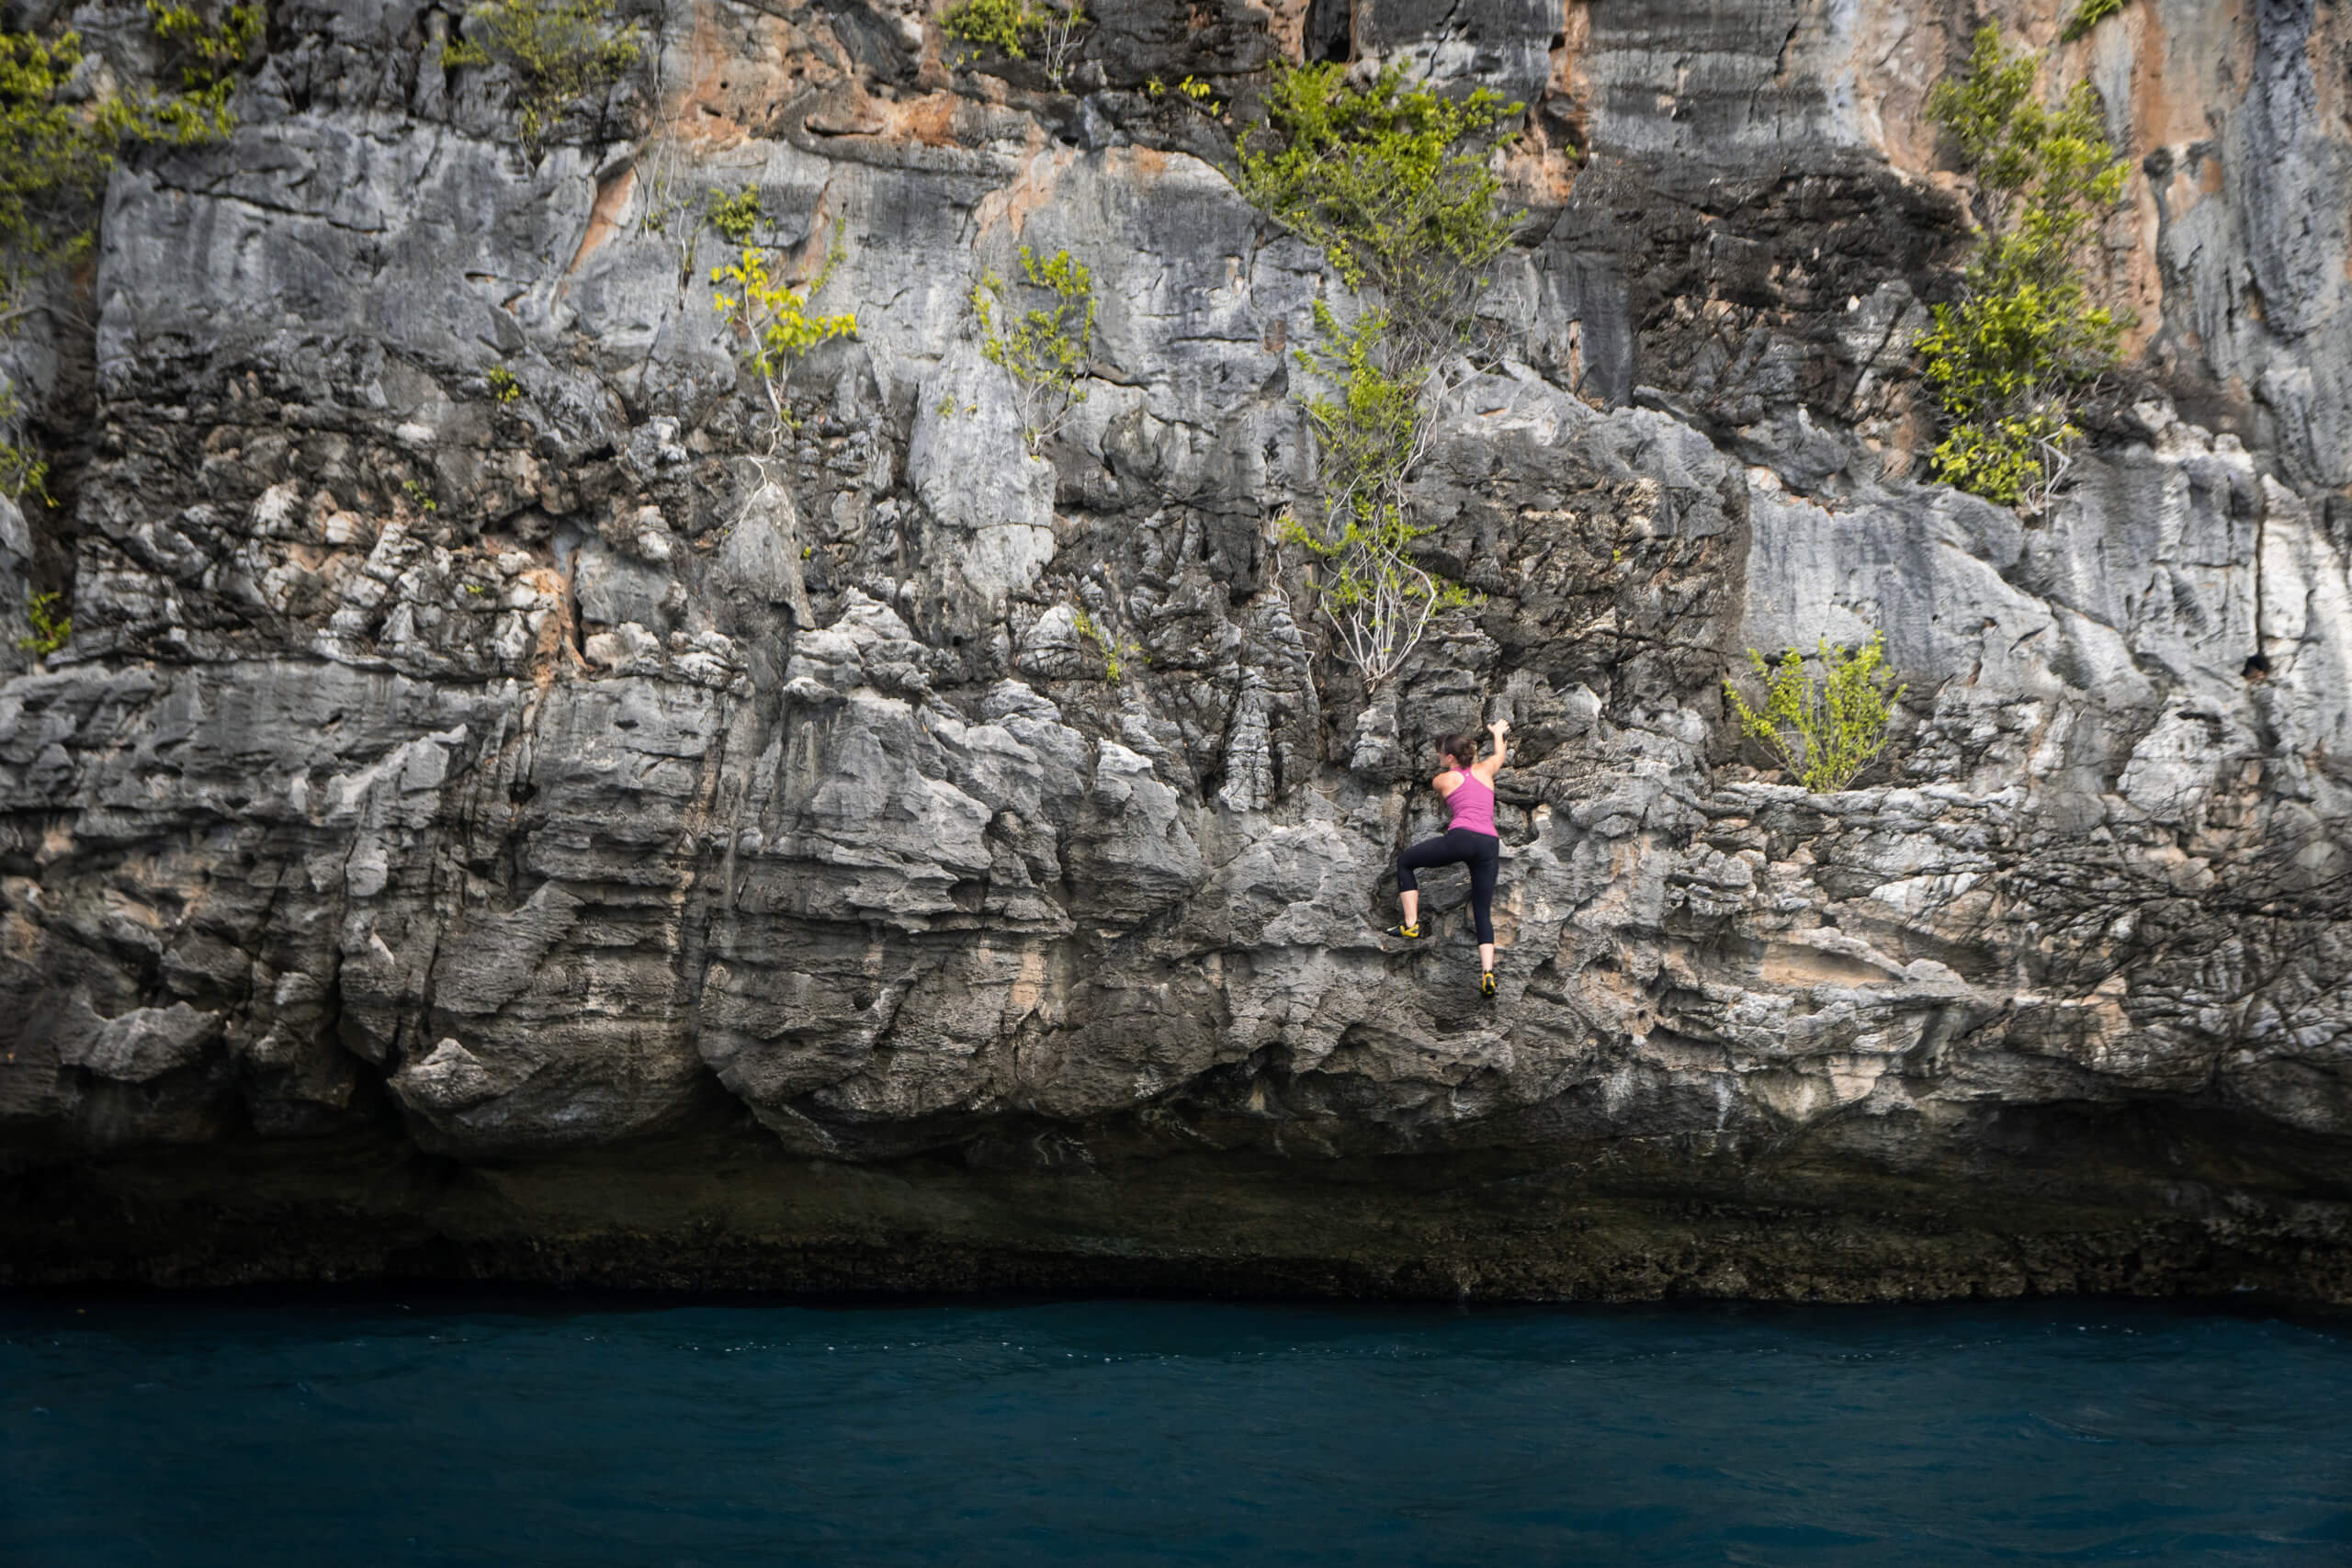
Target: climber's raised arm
<point>1486,768</point>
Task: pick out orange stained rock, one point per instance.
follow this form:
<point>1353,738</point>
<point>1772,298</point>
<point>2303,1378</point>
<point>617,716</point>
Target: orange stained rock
<point>605,217</point>
<point>1011,205</point>
<point>1285,25</point>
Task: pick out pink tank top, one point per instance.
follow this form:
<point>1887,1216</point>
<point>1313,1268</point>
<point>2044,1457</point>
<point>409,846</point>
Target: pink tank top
<point>1474,806</point>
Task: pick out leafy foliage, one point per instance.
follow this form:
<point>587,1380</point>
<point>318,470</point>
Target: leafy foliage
<point>1391,182</point>
<point>775,322</point>
<point>1378,599</point>
<point>2025,336</point>
<point>22,470</point>
<point>208,56</point>
<point>1371,429</point>
<point>1104,644</point>
<point>1191,91</point>
<point>560,53</point>
<point>2088,15</point>
<point>53,160</point>
<point>1014,28</point>
<point>1822,733</point>
<point>736,217</point>
<point>51,627</point>
<point>1044,348</point>
<point>55,151</point>
<point>503,384</point>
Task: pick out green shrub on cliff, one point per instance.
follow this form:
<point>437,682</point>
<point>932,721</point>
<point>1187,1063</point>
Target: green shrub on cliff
<point>2026,337</point>
<point>559,52</point>
<point>53,159</point>
<point>1016,27</point>
<point>773,323</point>
<point>1822,733</point>
<point>56,148</point>
<point>52,627</point>
<point>207,55</point>
<point>1370,428</point>
<point>23,471</point>
<point>1391,182</point>
<point>1044,348</point>
<point>736,218</point>
<point>2089,15</point>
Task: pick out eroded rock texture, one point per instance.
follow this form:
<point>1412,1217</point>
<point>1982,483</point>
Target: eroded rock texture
<point>552,838</point>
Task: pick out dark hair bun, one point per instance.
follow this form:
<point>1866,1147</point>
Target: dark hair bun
<point>1460,748</point>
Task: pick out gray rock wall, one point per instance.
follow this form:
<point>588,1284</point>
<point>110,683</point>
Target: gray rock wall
<point>563,837</point>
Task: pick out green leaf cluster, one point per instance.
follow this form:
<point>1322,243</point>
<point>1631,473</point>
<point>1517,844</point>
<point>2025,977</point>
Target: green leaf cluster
<point>22,470</point>
<point>54,154</point>
<point>1004,26</point>
<point>51,627</point>
<point>53,158</point>
<point>1822,732</point>
<point>209,55</point>
<point>774,322</point>
<point>1045,349</point>
<point>1106,645</point>
<point>2027,335</point>
<point>1368,425</point>
<point>1191,90</point>
<point>774,316</point>
<point>1377,596</point>
<point>559,52</point>
<point>1014,27</point>
<point>503,386</point>
<point>1390,181</point>
<point>736,217</point>
<point>2088,15</point>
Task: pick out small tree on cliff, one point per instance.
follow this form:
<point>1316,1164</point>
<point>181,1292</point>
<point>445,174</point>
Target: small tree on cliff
<point>773,326</point>
<point>2026,337</point>
<point>1823,734</point>
<point>1042,350</point>
<point>1391,183</point>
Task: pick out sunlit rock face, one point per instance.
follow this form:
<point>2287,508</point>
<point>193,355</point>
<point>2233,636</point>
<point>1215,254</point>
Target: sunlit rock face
<point>563,837</point>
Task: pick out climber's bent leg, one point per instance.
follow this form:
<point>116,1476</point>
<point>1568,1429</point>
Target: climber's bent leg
<point>1429,852</point>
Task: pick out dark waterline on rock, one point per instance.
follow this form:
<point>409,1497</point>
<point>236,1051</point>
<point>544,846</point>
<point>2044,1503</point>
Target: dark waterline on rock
<point>426,1427</point>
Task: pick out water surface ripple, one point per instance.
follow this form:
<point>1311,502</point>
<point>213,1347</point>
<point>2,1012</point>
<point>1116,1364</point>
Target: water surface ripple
<point>393,1430</point>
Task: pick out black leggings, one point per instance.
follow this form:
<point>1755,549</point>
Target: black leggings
<point>1482,853</point>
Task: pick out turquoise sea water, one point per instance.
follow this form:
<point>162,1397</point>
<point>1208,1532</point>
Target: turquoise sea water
<point>432,1428</point>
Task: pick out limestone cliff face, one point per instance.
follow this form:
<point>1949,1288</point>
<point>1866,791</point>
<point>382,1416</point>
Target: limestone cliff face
<point>549,838</point>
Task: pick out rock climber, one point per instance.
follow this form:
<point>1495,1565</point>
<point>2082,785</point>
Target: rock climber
<point>1469,789</point>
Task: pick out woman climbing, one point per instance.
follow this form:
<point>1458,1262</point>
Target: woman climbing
<point>1469,788</point>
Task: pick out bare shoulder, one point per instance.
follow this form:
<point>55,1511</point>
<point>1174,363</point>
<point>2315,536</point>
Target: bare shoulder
<point>1487,770</point>
<point>1447,782</point>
